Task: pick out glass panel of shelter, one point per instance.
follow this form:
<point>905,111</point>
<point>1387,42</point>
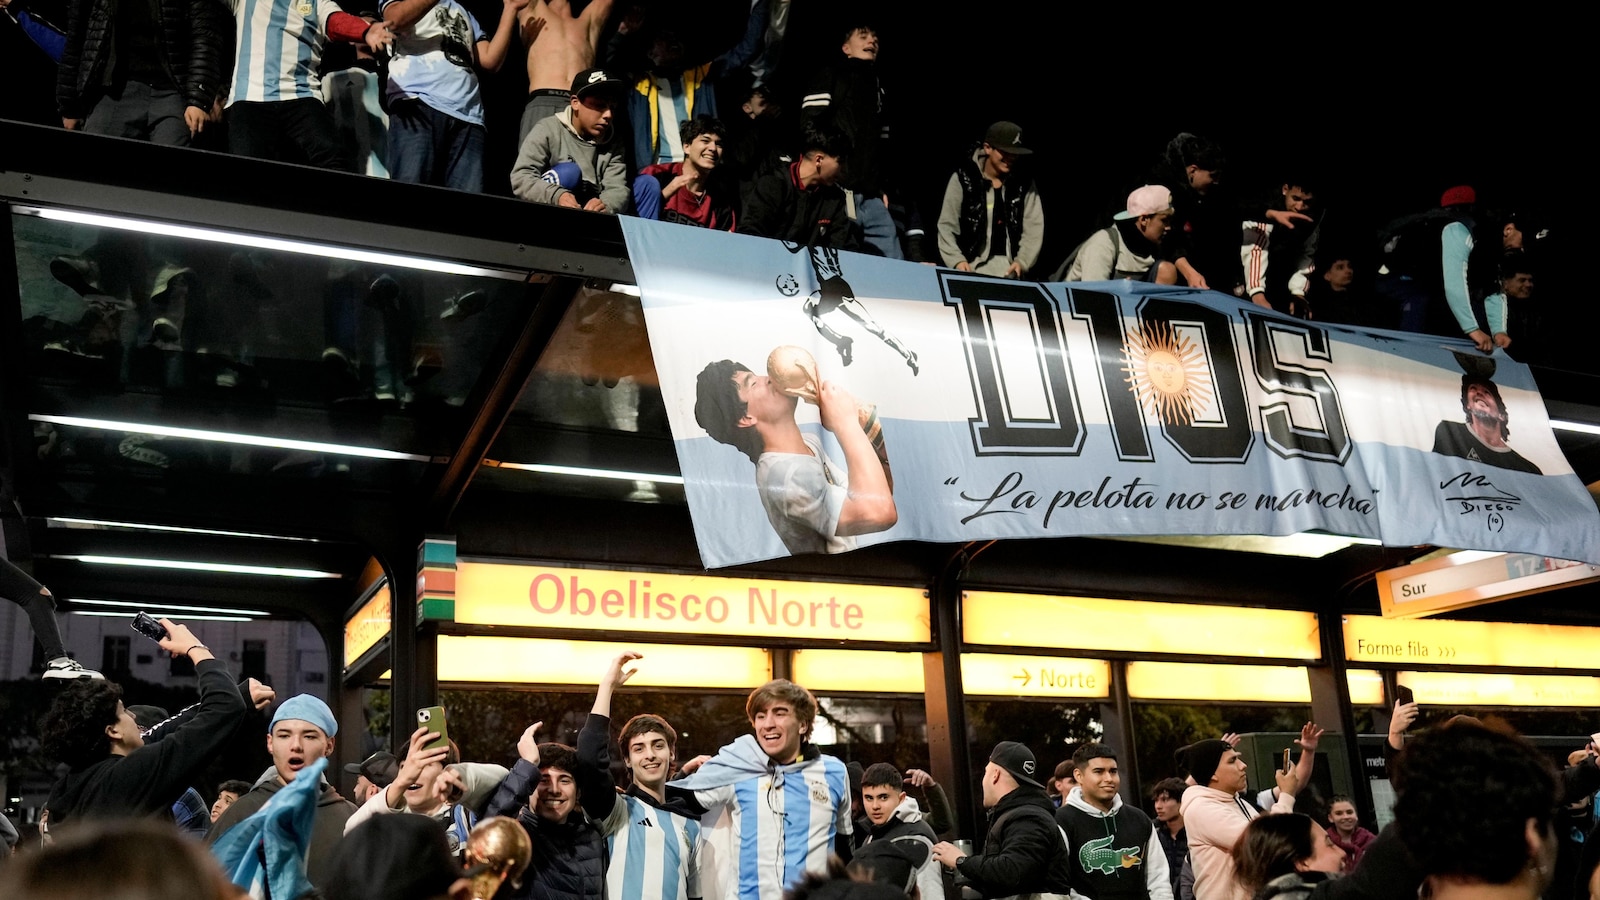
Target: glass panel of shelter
<point>121,308</point>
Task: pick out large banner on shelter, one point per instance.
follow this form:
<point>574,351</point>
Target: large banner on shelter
<point>822,401</point>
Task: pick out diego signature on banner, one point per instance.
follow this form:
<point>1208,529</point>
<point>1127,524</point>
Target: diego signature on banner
<point>822,401</point>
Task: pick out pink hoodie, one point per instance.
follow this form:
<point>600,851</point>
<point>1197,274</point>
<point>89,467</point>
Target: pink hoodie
<point>1215,820</point>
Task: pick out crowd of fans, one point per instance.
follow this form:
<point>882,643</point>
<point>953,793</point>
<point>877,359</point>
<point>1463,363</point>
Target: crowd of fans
<point>631,110</point>
<point>768,817</point>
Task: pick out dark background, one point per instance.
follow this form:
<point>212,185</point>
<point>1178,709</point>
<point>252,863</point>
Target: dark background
<point>1382,110</point>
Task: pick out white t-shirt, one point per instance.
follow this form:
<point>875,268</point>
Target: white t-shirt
<point>433,62</point>
<point>804,494</point>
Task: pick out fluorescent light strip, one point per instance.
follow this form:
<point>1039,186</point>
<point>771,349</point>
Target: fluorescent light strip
<point>192,565</point>
<point>616,474</point>
<point>243,239</point>
<point>160,615</point>
<point>1583,427</point>
<point>228,437</point>
<point>145,526</point>
<point>188,609</point>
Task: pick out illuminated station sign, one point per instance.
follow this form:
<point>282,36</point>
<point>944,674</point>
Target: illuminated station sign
<point>598,600</point>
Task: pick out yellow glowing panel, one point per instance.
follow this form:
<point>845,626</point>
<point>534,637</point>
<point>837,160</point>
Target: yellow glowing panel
<point>540,661</point>
<point>1138,626</point>
<point>1458,689</point>
<point>593,599</point>
<point>1366,687</point>
<point>1372,639</point>
<point>1202,681</point>
<point>1044,677</point>
<point>859,670</point>
<point>368,626</point>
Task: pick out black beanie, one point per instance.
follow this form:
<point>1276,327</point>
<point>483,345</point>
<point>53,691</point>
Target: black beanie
<point>1200,759</point>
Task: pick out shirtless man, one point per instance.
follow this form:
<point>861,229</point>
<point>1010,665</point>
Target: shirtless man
<point>561,48</point>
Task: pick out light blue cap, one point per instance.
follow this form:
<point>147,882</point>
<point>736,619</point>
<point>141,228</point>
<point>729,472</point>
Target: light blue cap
<point>306,708</point>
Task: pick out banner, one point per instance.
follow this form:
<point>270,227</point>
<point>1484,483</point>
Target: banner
<point>908,402</point>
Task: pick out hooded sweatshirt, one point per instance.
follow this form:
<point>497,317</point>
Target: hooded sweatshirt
<point>554,139</point>
<point>147,781</point>
<point>907,823</point>
<point>1114,854</point>
<point>1215,820</point>
<point>326,831</point>
<point>1024,852</point>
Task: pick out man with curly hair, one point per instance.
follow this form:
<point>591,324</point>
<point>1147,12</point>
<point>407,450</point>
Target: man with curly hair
<point>1477,810</point>
<point>113,769</point>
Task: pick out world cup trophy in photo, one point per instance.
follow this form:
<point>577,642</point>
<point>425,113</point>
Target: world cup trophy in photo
<point>793,370</point>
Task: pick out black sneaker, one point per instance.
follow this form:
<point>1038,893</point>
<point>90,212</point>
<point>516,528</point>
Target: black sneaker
<point>384,294</point>
<point>464,305</point>
<point>76,272</point>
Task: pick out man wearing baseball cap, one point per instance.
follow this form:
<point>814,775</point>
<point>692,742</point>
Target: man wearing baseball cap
<point>573,158</point>
<point>991,222</point>
<point>373,774</point>
<point>1129,248</point>
<point>1024,852</point>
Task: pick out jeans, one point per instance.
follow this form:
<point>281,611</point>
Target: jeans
<point>877,226</point>
<point>427,146</point>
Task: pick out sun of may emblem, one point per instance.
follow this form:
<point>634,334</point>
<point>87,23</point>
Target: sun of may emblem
<point>1167,372</point>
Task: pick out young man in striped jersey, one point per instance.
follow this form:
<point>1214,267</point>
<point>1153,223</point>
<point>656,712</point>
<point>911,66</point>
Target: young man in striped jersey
<point>274,108</point>
<point>652,835</point>
<point>774,806</point>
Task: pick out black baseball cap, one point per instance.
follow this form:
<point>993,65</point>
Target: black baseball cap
<point>1006,136</point>
<point>1016,759</point>
<point>380,768</point>
<point>597,80</point>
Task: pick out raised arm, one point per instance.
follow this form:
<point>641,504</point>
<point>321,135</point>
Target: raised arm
<point>869,506</point>
<point>941,817</point>
<point>402,14</point>
<point>514,790</point>
<point>492,53</point>
<point>597,791</point>
<point>157,774</point>
<point>1310,736</point>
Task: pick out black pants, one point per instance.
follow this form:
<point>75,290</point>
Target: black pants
<point>297,131</point>
<point>16,586</point>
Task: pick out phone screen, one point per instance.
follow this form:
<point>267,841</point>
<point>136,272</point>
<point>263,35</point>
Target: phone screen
<point>1287,765</point>
<point>433,719</point>
<point>146,625</point>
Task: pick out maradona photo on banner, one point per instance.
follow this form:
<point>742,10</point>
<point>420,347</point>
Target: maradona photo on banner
<point>814,504</point>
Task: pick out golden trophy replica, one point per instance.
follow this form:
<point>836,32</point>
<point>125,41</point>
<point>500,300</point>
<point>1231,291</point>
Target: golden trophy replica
<point>793,371</point>
<point>497,849</point>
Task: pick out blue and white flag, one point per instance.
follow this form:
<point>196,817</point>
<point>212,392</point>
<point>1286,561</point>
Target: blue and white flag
<point>266,853</point>
<point>989,408</point>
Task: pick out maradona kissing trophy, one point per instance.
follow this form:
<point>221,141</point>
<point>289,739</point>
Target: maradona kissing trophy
<point>793,371</point>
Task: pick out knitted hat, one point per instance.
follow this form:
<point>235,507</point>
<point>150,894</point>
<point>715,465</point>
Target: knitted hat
<point>1460,195</point>
<point>306,708</point>
<point>1201,758</point>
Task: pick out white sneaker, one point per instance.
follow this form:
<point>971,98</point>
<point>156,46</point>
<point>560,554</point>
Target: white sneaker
<point>68,668</point>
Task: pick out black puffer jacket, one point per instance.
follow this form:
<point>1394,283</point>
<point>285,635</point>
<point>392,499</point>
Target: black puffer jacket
<point>195,45</point>
<point>1024,852</point>
<point>569,858</point>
